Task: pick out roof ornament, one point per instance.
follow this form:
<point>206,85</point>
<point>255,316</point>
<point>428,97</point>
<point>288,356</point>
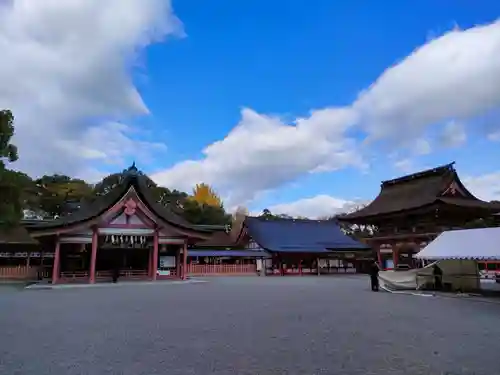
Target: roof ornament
<point>132,170</point>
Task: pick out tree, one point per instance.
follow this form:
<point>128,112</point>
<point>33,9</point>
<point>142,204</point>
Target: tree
<point>197,213</point>
<point>205,195</point>
<point>266,213</point>
<point>10,192</point>
<point>354,230</point>
<point>59,195</point>
<point>27,190</point>
<point>8,152</point>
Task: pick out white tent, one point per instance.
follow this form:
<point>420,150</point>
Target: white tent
<point>458,275</point>
<point>473,244</point>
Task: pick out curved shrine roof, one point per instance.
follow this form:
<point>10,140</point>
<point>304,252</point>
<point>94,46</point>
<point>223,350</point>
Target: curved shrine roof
<point>103,203</point>
<point>425,188</point>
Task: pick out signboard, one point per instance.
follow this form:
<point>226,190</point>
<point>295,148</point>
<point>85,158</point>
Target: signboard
<point>167,261</point>
<point>163,273</point>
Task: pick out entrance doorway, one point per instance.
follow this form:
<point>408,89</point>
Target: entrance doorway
<point>131,262</point>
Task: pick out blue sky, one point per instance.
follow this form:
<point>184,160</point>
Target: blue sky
<point>259,67</point>
<point>286,58</point>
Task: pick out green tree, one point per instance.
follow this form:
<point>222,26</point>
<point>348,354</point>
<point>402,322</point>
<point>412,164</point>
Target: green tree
<point>8,152</point>
<point>27,190</point>
<point>59,195</point>
<point>206,214</point>
<point>10,192</point>
<point>266,213</point>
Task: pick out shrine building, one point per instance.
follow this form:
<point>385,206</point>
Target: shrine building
<point>126,226</point>
<point>127,229</point>
<point>304,246</point>
<point>412,210</point>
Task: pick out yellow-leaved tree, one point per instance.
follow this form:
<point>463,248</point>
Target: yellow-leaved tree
<point>203,194</point>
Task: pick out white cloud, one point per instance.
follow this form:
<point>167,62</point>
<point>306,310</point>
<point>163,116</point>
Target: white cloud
<point>320,206</point>
<point>422,147</point>
<point>485,187</point>
<point>453,77</point>
<point>263,152</point>
<point>449,79</point>
<point>109,143</point>
<point>495,137</point>
<point>67,64</point>
<point>454,134</point>
<point>404,165</point>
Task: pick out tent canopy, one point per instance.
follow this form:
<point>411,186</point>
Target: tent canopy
<point>475,244</point>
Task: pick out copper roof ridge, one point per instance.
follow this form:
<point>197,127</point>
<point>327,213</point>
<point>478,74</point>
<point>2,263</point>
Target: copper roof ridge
<point>420,174</point>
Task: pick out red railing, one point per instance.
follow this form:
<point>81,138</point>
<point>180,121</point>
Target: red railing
<point>292,271</point>
<point>18,272</point>
<point>126,274</point>
<point>221,269</point>
<point>83,276</point>
<point>310,271</point>
<point>74,276</point>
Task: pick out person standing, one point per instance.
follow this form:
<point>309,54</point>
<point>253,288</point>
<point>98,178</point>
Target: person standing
<point>437,272</point>
<point>374,270</point>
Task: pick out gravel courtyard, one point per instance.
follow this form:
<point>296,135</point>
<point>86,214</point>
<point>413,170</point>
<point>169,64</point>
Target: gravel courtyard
<point>292,325</point>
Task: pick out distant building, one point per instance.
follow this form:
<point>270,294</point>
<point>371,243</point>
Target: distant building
<point>412,210</point>
<point>303,246</point>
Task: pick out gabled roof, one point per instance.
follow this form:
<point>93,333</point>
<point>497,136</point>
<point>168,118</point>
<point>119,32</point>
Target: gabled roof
<point>425,188</point>
<point>16,235</point>
<point>219,238</point>
<point>300,235</point>
<point>132,179</point>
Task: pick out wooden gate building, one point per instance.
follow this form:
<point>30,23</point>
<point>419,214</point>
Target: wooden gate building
<point>412,210</point>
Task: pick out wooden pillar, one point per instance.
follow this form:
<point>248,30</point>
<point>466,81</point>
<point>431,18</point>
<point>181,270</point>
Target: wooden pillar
<point>178,263</point>
<point>150,263</point>
<point>57,260</point>
<point>93,255</point>
<point>317,265</point>
<point>395,255</point>
<point>184,261</point>
<point>155,255</point>
<point>300,267</point>
<point>379,253</point>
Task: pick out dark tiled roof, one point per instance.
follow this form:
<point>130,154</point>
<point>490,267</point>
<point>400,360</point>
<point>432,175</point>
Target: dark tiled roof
<point>16,235</point>
<point>300,236</point>
<point>418,190</point>
<point>218,239</point>
<point>100,205</point>
<point>227,253</point>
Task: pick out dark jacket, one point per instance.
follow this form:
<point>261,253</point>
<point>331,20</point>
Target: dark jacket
<point>374,270</point>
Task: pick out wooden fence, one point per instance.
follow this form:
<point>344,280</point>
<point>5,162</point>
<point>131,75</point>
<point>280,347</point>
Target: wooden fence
<point>221,269</point>
<point>19,272</point>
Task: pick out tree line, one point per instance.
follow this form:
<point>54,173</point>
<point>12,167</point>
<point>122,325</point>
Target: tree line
<point>56,195</point>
